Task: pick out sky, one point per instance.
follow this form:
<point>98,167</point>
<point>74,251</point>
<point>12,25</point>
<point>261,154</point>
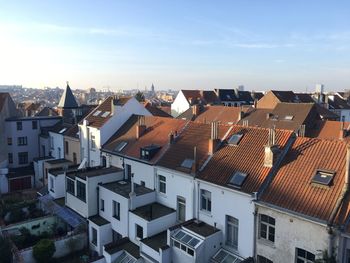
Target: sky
<point>261,44</point>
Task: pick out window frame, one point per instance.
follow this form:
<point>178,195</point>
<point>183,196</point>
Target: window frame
<point>304,259</point>
<point>10,158</point>
<point>9,140</point>
<point>262,259</point>
<point>23,158</point>
<point>34,125</point>
<point>93,142</point>
<point>94,236</point>
<point>102,204</point>
<point>69,185</point>
<point>116,209</point>
<point>205,196</point>
<point>161,184</point>
<point>270,227</point>
<point>81,191</point>
<point>22,141</point>
<point>232,222</point>
<point>137,229</point>
<point>19,126</point>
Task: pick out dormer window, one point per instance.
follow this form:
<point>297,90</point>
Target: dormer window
<point>148,152</point>
<point>96,113</point>
<point>323,177</point>
<point>288,117</point>
<point>237,179</point>
<point>120,146</point>
<point>235,139</point>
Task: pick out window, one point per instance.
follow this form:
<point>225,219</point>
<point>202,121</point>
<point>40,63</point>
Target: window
<point>128,171</point>
<point>52,143</point>
<point>94,236</point>
<point>323,177</point>
<point>116,210</point>
<point>185,242</point>
<point>34,125</point>
<point>139,231</point>
<point>205,200</point>
<point>162,184</point>
<point>9,141</point>
<point>181,209</point>
<point>66,147</point>
<point>143,183</point>
<point>102,205</point>
<point>10,157</point>
<point>93,142</point>
<point>22,141</point>
<point>232,232</point>
<point>74,158</point>
<point>59,152</point>
<point>81,191</point>
<point>23,157</point>
<point>303,256</point>
<point>70,186</point>
<point>267,228</point>
<point>52,186</point>
<point>237,179</point>
<point>262,259</point>
<point>19,126</point>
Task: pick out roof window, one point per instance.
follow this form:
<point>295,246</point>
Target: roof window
<point>120,146</point>
<point>96,113</point>
<point>235,139</point>
<point>237,179</point>
<point>288,117</point>
<point>323,177</point>
<point>63,130</point>
<point>105,114</point>
<point>187,163</point>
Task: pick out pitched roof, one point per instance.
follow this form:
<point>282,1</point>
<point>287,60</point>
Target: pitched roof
<point>246,157</point>
<point>72,131</point>
<point>291,187</point>
<point>235,95</point>
<point>222,114</point>
<point>156,134</point>
<point>156,111</point>
<point>287,116</point>
<point>67,100</point>
<point>338,103</point>
<point>285,96</point>
<point>96,117</point>
<point>47,111</point>
<point>3,97</point>
<point>195,135</point>
<point>330,130</point>
<point>197,96</point>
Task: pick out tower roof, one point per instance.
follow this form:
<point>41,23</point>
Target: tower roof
<point>67,100</point>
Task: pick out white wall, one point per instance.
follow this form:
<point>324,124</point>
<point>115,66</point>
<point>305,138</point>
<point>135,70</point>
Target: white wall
<point>291,232</point>
<point>236,204</point>
<point>179,105</point>
<point>57,144</point>
<point>177,184</point>
<point>104,236</point>
<point>3,181</point>
<point>59,185</point>
<point>142,172</point>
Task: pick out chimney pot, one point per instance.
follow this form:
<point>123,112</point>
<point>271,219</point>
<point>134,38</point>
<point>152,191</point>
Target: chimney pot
<point>195,110</point>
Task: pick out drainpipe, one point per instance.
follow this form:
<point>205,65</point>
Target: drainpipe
<point>198,199</point>
<point>340,200</point>
<point>255,225</point>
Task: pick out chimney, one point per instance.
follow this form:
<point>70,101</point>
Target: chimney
<point>195,110</point>
<point>268,116</point>
<point>342,131</point>
<point>171,138</point>
<point>214,140</point>
<point>240,115</point>
<point>255,103</point>
<point>141,127</point>
<point>269,149</point>
<point>245,123</point>
<point>194,165</point>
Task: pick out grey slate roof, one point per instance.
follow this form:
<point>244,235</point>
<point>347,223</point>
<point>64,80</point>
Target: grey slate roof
<point>68,100</point>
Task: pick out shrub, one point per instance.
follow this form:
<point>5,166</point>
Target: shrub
<point>44,250</point>
<point>5,251</point>
<point>17,215</point>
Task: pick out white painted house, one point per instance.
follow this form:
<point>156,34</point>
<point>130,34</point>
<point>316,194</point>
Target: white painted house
<point>102,123</point>
<point>300,213</point>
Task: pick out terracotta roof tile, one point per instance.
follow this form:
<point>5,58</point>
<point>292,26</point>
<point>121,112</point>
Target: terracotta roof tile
<point>195,135</point>
<point>331,130</point>
<point>157,133</point>
<point>291,188</point>
<point>156,111</point>
<point>246,157</point>
<point>206,96</point>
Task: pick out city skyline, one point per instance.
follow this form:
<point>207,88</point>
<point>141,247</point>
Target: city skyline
<point>262,45</point>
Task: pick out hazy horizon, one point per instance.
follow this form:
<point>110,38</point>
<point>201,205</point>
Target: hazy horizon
<point>262,45</point>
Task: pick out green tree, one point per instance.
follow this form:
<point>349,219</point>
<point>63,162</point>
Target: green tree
<point>44,250</point>
<point>5,251</point>
<point>140,97</point>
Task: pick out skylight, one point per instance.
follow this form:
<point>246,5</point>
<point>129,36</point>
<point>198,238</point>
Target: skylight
<point>124,258</point>
<point>105,114</point>
<point>63,130</point>
<point>323,177</point>
<point>224,256</point>
<point>187,163</point>
<point>288,117</point>
<point>96,113</point>
<point>186,239</point>
<point>120,146</point>
<point>235,139</point>
<point>237,179</point>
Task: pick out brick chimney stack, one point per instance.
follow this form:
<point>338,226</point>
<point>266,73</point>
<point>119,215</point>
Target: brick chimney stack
<point>214,140</point>
<point>270,148</point>
<point>141,127</point>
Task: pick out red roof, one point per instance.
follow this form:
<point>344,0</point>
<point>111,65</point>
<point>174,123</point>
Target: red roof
<point>195,135</point>
<point>156,133</point>
<point>291,187</point>
<point>246,157</point>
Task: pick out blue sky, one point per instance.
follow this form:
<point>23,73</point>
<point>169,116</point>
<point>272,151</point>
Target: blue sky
<point>261,44</point>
